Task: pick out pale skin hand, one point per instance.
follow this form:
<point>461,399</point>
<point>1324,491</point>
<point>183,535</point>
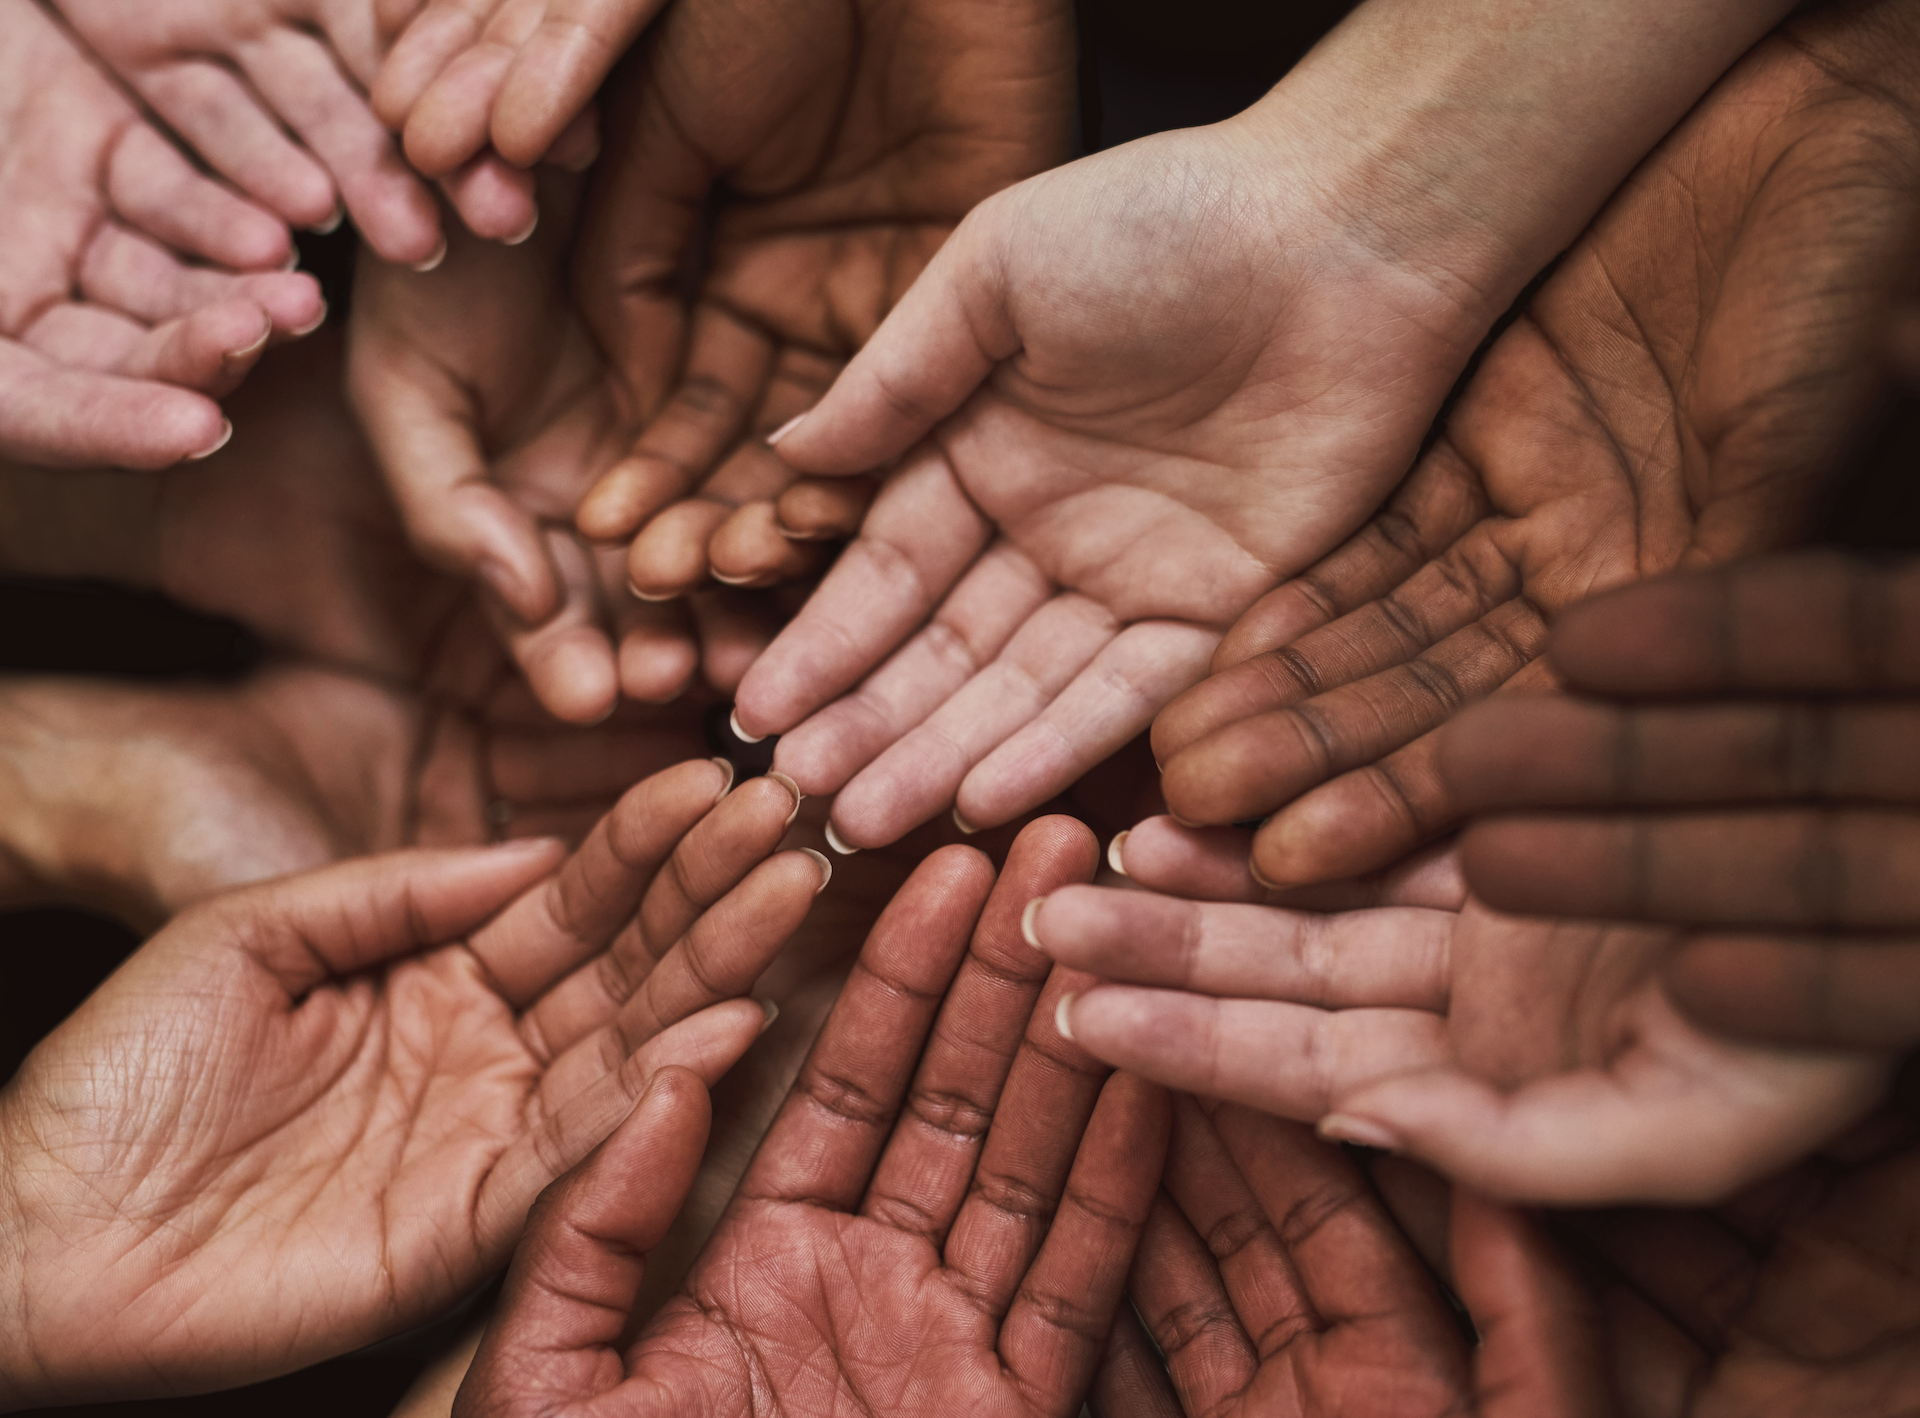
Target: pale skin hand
<point>272,94</point>
<point>1115,464</point>
<point>976,1212</point>
<point>393,1056</point>
<point>1663,402</point>
<point>133,290</point>
<point>1532,1060</point>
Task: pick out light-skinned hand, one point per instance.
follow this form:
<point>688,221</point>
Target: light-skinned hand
<point>1683,390</point>
<point>330,1099</point>
<point>1738,766</point>
<point>272,94</point>
<point>941,1217</point>
<point>134,291</point>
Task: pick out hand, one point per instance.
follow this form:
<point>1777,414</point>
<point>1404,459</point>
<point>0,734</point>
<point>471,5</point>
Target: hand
<point>842,141</point>
<point>1769,816</point>
<point>491,411</point>
<point>1533,1060</point>
<point>113,335</point>
<point>334,1096</point>
<point>1661,403</point>
<point>908,1239</point>
<point>272,94</point>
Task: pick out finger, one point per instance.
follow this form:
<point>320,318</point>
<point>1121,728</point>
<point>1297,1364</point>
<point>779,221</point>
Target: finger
<point>735,629</point>
<point>1108,704</point>
<point>1805,992</point>
<point>1818,868</point>
<point>750,550</point>
<point>919,539</point>
<point>1056,1328</point>
<point>155,189</point>
<point>1542,1343</point>
<point>974,623</point>
<point>1817,621</point>
<point>496,202</point>
<point>659,651</point>
<point>342,919</point>
<point>1211,864</point>
<point>559,69</point>
<point>932,351</point>
<point>221,120</point>
<point>210,350</point>
<point>557,1139</point>
<point>931,1158</point>
<point>576,1276</point>
<point>915,779</point>
<point>1131,1381</point>
<point>1184,1303</point>
<point>1283,1058</point>
<point>1685,1120</point>
<point>71,417</point>
<point>824,509</point>
<point>448,125</point>
<point>136,276</point>
<point>1562,752</point>
<point>669,557</point>
<point>569,657</point>
<point>1393,958</point>
<point>828,1135</point>
<point>436,32</point>
<point>546,934</point>
<point>1251,767</point>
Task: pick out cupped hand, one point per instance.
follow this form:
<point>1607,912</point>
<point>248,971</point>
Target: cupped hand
<point>1681,391</point>
<point>272,94</point>
<point>1740,766</point>
<point>1528,1059</point>
<point>313,1112</point>
<point>801,163</point>
<point>134,291</point>
<point>1126,398</point>
<point>940,1219</point>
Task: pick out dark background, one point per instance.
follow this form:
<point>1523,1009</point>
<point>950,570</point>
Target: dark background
<point>1140,73</point>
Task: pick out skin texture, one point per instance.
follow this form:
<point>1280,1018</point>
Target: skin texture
<point>946,1180</point>
<point>134,291</point>
<point>1532,1060</point>
<point>491,409</point>
<point>1763,807</point>
<point>1682,391</point>
<point>342,1090</point>
<point>273,95</point>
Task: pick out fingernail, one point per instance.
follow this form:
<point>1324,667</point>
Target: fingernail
<point>771,1010</point>
<point>731,580</point>
<point>733,722</point>
<point>1026,924</point>
<point>961,823</point>
<point>654,599</point>
<point>826,868</point>
<point>519,237</point>
<point>250,349</point>
<point>432,263</point>
<point>726,787</point>
<point>311,325</point>
<point>292,263</point>
<point>838,843</point>
<point>1338,1127</point>
<point>1060,1021</point>
<point>1113,851</point>
<point>781,432</point>
<point>226,436</point>
<point>798,797</point>
<point>332,223</point>
<point>784,530</point>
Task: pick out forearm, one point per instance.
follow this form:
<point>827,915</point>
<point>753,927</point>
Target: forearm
<point>88,522</point>
<point>1472,140</point>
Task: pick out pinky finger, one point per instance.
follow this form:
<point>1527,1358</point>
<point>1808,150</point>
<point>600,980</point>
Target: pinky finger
<point>70,417</point>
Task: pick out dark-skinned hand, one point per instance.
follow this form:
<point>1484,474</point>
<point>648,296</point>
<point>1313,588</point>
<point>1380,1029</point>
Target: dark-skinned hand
<point>1681,391</point>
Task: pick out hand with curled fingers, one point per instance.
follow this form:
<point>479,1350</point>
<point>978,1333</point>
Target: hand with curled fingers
<point>1680,392</point>
<point>339,1092</point>
<point>809,174</point>
<point>134,291</point>
<point>1529,1059</point>
<point>941,1218</point>
<point>272,94</point>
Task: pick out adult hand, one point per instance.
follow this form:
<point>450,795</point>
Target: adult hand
<point>942,1215</point>
<point>273,95</point>
<point>1769,814</point>
<point>807,160</point>
<point>335,1096</point>
<point>133,290</point>
<point>1681,391</point>
<point>1535,1060</point>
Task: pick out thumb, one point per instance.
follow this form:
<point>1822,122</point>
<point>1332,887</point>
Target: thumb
<point>937,346</point>
<point>577,1274</point>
